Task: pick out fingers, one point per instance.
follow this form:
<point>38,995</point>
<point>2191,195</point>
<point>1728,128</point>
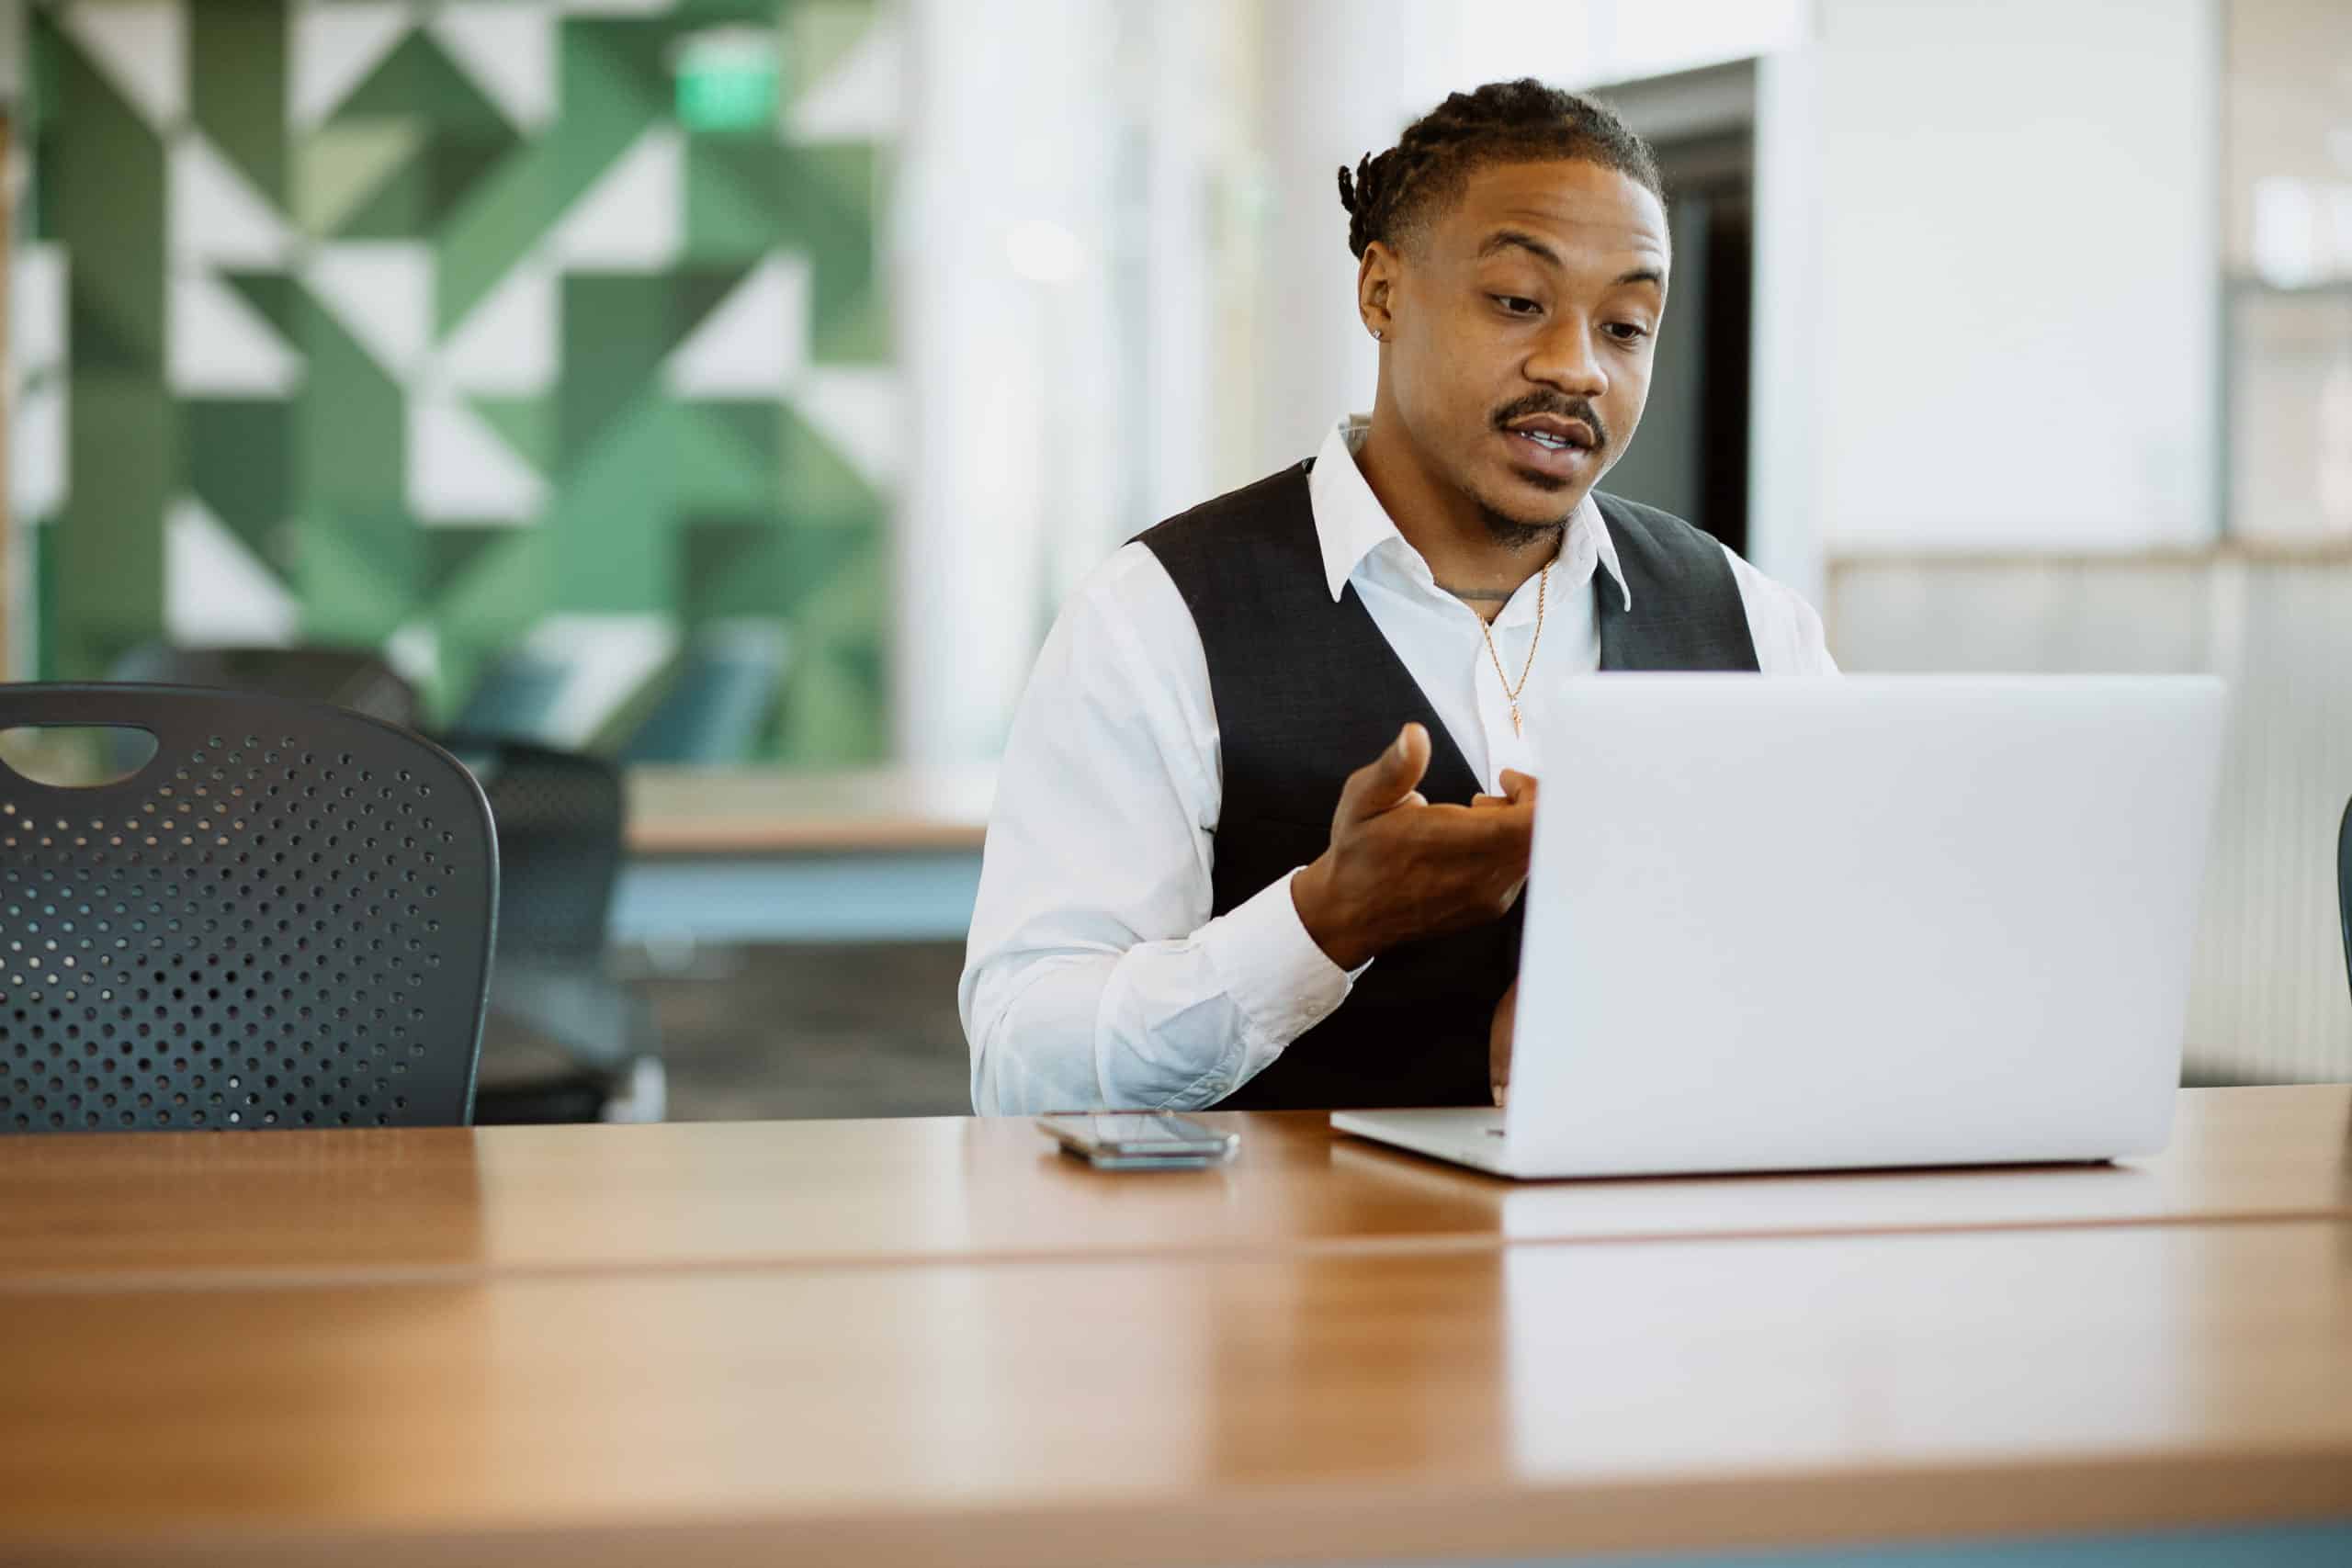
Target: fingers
<point>1411,754</point>
<point>1489,825</point>
<point>1485,852</point>
<point>1389,780</point>
<point>1519,789</point>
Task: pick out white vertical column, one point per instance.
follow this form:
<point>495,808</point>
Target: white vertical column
<point>1174,65</point>
<point>1338,74</point>
<point>1004,335</point>
<point>2017,343</point>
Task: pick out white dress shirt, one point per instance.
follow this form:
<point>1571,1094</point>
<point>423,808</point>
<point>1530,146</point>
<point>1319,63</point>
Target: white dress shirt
<point>1094,976</point>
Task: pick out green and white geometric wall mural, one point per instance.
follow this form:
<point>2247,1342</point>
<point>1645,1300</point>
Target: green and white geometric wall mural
<point>438,328</point>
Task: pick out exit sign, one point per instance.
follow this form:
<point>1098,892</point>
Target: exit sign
<point>727,79</point>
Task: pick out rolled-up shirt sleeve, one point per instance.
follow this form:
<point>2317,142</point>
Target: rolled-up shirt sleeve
<point>1095,976</point>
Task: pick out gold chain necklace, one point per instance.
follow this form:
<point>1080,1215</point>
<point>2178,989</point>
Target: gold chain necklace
<point>1511,692</point>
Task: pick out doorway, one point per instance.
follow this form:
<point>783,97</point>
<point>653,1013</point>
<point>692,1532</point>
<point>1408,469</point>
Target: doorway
<point>1690,456</point>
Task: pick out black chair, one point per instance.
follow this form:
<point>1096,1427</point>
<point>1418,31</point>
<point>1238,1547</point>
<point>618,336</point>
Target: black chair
<point>348,677</point>
<point>283,919</point>
<point>2344,886</point>
<point>560,818</point>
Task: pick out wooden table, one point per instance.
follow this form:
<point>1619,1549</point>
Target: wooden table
<point>458,1204</point>
<point>488,1347</point>
<point>754,855</point>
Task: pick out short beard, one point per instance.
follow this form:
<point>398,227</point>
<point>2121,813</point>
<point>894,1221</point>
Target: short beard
<point>1513,535</point>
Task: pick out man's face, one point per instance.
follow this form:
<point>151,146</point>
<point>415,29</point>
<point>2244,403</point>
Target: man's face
<point>1523,318</point>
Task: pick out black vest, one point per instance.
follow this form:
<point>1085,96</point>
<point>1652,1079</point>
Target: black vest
<point>1307,690</point>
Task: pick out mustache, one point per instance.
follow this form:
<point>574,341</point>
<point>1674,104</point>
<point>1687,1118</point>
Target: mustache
<point>1556,405</point>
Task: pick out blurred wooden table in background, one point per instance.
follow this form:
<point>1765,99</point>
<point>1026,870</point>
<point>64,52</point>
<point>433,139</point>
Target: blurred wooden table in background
<point>725,855</point>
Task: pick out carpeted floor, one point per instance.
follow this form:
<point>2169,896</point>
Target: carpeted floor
<point>755,1034</point>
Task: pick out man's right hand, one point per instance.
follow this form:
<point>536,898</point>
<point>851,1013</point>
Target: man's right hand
<point>1399,868</point>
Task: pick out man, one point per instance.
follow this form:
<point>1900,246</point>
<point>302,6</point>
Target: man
<point>1266,808</point>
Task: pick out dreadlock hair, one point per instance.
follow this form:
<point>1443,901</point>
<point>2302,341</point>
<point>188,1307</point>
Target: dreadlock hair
<point>1391,192</point>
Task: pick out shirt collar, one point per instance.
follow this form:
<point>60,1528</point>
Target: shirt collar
<point>1350,522</point>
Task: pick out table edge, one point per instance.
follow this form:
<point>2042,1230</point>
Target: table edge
<point>2015,1498</point>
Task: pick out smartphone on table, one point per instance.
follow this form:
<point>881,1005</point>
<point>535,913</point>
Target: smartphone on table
<point>1138,1140</point>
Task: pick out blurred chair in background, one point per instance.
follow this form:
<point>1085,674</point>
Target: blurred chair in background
<point>351,678</point>
<point>2344,886</point>
<point>515,698</point>
<point>282,918</point>
<point>565,1042</point>
<point>719,702</point>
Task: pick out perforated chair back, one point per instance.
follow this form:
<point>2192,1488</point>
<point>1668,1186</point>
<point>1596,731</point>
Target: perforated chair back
<point>284,919</point>
<point>560,817</point>
<point>348,677</point>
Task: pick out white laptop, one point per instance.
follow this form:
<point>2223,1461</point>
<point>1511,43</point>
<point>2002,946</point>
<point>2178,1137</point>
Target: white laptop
<point>1819,924</point>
